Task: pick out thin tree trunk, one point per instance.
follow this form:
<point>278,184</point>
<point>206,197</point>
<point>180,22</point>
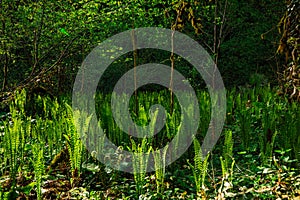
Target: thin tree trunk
<point>218,35</point>
<point>5,70</point>
<point>5,63</point>
<point>36,40</point>
<point>133,36</point>
<point>172,64</point>
<point>172,72</point>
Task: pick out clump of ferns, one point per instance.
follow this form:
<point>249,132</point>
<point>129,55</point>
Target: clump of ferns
<point>227,163</point>
<point>199,169</point>
<point>78,123</point>
<point>141,154</point>
<point>38,165</point>
<point>160,168</point>
<point>16,131</point>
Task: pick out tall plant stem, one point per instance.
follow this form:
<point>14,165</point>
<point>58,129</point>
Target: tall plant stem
<point>172,71</point>
<point>172,64</point>
<point>133,37</point>
<point>5,63</point>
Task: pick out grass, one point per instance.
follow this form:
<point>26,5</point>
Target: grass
<point>257,156</point>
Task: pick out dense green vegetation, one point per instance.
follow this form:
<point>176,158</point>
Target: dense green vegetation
<point>42,46</point>
<point>45,42</point>
<point>257,155</point>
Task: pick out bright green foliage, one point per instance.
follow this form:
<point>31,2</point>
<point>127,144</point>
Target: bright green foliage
<point>62,30</point>
<point>227,162</point>
<point>199,169</point>
<point>228,149</point>
<point>12,144</point>
<point>263,121</point>
<point>227,175</point>
<point>141,154</point>
<point>268,162</point>
<point>74,143</point>
<point>244,119</point>
<point>15,134</point>
<point>160,170</point>
<point>38,165</point>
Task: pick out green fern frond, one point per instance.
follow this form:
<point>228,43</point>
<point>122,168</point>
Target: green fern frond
<point>228,148</point>
<point>200,167</point>
<point>38,165</point>
<point>160,164</point>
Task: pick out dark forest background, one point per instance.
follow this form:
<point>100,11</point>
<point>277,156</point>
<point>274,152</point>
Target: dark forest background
<point>43,43</point>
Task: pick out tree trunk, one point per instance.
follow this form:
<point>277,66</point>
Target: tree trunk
<point>5,63</point>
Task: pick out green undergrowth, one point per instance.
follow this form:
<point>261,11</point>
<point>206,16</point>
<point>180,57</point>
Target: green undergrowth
<point>43,156</point>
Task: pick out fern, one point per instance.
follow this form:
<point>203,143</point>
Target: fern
<point>76,125</point>
<point>160,164</point>
<point>228,148</point>
<point>199,168</point>
<point>227,162</point>
<point>13,145</point>
<point>140,163</point>
<point>38,165</point>
<point>11,140</point>
<point>15,133</point>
